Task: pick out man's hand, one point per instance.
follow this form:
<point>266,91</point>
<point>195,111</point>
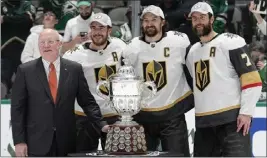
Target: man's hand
<point>78,39</point>
<point>21,150</point>
<point>252,6</point>
<point>105,129</point>
<point>243,121</point>
<point>260,65</point>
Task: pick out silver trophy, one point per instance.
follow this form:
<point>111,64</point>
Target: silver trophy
<point>128,93</point>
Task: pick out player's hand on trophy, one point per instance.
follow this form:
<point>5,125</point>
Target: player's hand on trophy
<point>21,150</point>
<point>243,121</point>
<point>105,128</point>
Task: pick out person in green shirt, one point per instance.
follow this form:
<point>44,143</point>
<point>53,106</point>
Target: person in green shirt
<point>220,8</point>
<point>259,57</point>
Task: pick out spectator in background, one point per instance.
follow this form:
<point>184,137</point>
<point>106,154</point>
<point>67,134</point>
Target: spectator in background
<point>124,33</point>
<point>173,12</point>
<point>16,21</point>
<point>261,23</point>
<point>258,55</point>
<point>220,8</point>
<point>76,31</point>
<point>169,5</point>
<point>31,50</point>
<point>67,9</point>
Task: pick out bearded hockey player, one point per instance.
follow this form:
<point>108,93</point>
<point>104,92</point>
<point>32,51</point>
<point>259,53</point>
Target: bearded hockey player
<point>100,60</point>
<point>159,56</point>
<point>226,85</point>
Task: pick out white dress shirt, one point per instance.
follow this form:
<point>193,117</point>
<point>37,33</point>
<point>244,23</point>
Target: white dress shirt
<point>47,69</point>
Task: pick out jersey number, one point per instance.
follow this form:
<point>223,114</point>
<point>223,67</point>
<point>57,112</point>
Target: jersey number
<point>245,56</point>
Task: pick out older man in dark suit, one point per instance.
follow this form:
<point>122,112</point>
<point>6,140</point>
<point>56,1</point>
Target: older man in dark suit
<point>42,105</point>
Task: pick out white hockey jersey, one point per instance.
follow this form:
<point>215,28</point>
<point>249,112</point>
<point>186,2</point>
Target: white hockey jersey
<point>162,62</point>
<point>226,82</point>
<point>98,65</point>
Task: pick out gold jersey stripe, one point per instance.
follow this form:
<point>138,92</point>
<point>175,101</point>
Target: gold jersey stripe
<point>106,115</point>
<point>170,105</point>
<point>250,78</point>
<point>218,111</point>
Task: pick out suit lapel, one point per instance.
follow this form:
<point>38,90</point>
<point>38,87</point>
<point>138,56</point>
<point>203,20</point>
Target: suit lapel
<point>43,77</point>
<point>63,77</point>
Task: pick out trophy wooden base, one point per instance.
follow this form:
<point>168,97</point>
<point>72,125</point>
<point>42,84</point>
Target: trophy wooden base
<point>126,140</point>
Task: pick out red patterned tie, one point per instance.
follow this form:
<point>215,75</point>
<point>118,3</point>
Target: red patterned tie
<point>53,81</point>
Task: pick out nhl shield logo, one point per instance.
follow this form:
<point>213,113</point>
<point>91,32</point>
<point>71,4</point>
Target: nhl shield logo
<point>202,74</point>
<point>155,71</point>
<point>103,74</point>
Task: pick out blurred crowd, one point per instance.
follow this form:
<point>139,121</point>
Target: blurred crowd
<point>22,21</point>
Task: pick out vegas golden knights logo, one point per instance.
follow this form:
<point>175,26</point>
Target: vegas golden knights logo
<point>202,74</point>
<point>155,71</point>
<point>103,74</point>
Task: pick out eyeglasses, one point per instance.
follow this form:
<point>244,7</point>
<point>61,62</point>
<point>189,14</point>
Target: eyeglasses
<point>50,42</point>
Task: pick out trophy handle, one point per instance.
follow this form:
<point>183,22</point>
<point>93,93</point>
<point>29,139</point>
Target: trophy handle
<point>151,94</point>
<point>102,83</point>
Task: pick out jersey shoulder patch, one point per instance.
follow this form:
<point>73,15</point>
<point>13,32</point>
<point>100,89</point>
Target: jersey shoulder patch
<point>135,41</point>
<point>194,47</point>
<point>117,41</point>
<point>178,38</point>
<point>232,41</point>
<point>75,49</point>
<point>76,54</point>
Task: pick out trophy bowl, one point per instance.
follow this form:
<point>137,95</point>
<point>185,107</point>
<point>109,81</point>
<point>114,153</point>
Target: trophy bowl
<point>126,96</point>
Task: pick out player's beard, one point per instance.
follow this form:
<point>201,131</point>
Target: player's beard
<point>86,15</point>
<point>150,31</point>
<point>205,30</point>
<point>101,41</point>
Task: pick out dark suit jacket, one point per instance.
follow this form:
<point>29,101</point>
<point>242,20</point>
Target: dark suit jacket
<point>35,117</point>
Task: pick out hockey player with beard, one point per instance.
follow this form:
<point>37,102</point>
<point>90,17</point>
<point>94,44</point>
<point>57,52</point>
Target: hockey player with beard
<point>159,56</point>
<point>100,60</point>
<point>226,85</point>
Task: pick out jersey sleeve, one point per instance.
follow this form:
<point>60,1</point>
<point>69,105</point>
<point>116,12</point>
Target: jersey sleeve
<point>74,54</point>
<point>182,41</point>
<point>130,53</point>
<point>249,77</point>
